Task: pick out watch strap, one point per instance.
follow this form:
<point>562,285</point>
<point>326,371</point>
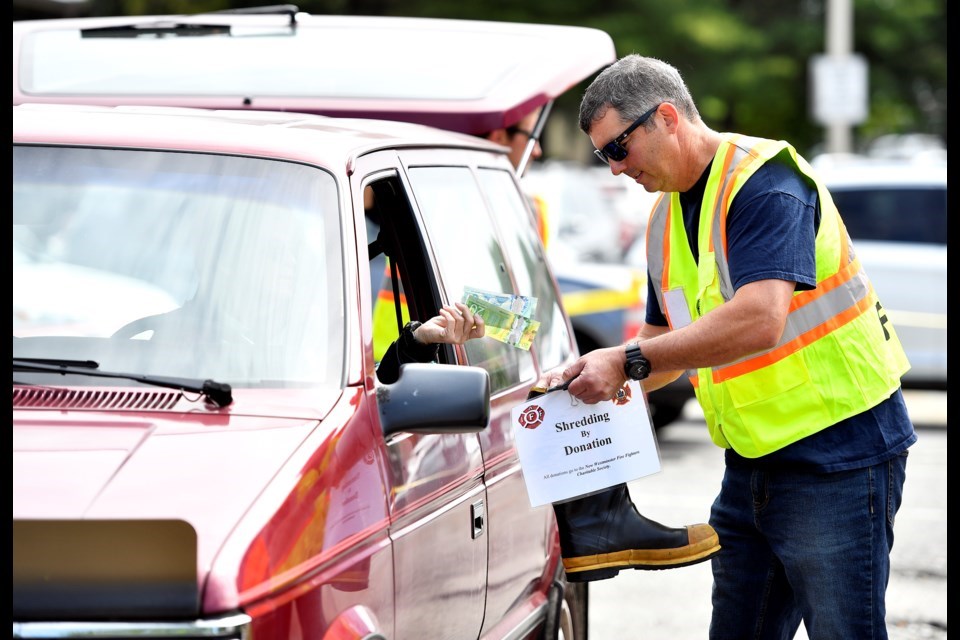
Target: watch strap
<point>412,349</point>
<point>636,367</point>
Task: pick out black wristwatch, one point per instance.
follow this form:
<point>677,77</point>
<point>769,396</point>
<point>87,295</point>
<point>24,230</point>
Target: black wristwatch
<point>637,367</point>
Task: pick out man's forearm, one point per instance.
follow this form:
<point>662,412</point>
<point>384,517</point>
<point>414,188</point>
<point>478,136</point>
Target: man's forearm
<point>658,380</point>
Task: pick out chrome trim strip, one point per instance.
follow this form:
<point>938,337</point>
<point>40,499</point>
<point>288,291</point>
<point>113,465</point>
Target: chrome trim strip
<point>231,626</point>
<point>505,474</point>
<point>478,490</point>
<point>528,624</point>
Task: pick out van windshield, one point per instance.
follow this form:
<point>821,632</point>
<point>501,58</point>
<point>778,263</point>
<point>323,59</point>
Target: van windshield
<point>178,264</point>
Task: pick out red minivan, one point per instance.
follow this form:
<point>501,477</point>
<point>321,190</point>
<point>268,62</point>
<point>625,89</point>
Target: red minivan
<point>201,448</point>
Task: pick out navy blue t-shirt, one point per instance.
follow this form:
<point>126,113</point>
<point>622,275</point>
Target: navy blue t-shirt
<point>771,229</point>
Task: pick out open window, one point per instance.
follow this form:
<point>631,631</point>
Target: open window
<point>402,284</point>
<point>469,253</point>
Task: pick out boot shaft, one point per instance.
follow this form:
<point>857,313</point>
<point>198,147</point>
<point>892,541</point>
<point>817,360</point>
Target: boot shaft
<point>589,515</point>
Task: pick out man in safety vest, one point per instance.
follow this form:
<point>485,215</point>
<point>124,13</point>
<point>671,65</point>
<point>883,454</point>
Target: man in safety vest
<point>756,293</point>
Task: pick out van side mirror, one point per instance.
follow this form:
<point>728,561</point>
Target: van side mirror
<point>435,398</point>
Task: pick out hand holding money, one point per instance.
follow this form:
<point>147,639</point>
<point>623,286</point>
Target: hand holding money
<point>508,317</point>
<point>454,325</point>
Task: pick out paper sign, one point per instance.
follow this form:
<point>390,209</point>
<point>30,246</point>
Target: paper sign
<point>569,448</point>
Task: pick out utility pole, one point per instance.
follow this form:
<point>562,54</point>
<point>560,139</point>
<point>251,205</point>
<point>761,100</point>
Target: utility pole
<point>839,79</point>
<point>839,45</point>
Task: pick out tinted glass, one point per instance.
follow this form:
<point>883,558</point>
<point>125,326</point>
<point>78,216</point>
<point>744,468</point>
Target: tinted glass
<point>469,255</point>
<point>175,264</point>
<point>894,214</point>
<point>523,247</point>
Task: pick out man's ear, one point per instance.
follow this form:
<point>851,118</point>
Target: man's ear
<point>500,136</point>
<point>671,116</point>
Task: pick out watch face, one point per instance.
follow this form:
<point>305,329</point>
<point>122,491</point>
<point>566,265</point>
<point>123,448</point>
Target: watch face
<point>637,366</point>
<point>638,370</point>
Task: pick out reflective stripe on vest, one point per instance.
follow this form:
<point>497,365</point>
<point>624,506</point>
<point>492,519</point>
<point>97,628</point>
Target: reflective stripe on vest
<point>838,355</point>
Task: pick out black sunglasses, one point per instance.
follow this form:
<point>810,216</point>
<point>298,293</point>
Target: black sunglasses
<point>515,130</point>
<point>614,150</point>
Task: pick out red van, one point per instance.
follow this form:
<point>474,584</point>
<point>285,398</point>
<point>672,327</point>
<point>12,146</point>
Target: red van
<point>201,447</point>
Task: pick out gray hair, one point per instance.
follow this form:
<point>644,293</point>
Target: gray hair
<point>632,85</point>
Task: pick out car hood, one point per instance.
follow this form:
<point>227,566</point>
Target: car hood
<point>204,468</point>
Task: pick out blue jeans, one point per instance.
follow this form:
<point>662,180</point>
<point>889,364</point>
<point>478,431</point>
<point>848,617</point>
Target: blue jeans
<point>804,546</point>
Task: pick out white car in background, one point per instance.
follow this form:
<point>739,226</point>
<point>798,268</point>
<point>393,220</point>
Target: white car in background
<point>896,214</point>
<point>583,209</point>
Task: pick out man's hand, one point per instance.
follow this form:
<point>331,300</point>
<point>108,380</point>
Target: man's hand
<point>455,325</point>
<point>598,375</point>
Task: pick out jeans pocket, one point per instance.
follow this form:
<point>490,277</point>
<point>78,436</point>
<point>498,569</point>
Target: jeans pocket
<point>896,475</point>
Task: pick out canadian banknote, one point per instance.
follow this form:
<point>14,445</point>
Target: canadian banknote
<point>507,317</point>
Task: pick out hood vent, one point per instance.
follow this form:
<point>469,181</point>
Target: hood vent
<point>49,398</point>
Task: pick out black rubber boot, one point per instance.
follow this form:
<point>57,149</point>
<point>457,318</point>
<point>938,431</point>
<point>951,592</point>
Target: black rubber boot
<point>604,533</point>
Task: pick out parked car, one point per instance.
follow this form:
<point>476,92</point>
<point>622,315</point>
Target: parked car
<point>231,468</point>
<point>583,215</point>
<point>593,213</point>
<point>896,214</point>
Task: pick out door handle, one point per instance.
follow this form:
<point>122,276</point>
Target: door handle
<point>477,514</point>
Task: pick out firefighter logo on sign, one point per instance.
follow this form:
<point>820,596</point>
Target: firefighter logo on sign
<point>531,418</point>
<point>623,396</point>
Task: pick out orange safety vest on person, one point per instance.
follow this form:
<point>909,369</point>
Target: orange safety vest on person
<point>541,218</point>
<point>839,354</point>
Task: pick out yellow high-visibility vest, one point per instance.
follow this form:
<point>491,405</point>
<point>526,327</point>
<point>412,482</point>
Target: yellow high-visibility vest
<point>839,354</point>
<point>385,330</point>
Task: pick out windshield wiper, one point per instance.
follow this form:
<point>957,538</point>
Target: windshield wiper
<point>59,362</point>
<point>156,29</point>
<point>172,28</point>
<point>218,393</point>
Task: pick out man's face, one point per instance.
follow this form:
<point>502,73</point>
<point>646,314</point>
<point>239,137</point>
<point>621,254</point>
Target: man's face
<point>518,140</point>
<point>642,146</point>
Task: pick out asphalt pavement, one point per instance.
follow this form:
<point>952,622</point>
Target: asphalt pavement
<point>675,604</point>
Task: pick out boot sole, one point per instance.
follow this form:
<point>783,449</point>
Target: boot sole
<point>607,565</point>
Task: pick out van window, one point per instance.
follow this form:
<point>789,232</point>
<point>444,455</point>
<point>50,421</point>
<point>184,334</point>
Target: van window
<point>397,248</point>
<point>469,255</point>
<point>523,247</point>
<point>894,214</point>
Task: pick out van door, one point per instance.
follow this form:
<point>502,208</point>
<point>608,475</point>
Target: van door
<point>460,205</point>
<point>435,492</point>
